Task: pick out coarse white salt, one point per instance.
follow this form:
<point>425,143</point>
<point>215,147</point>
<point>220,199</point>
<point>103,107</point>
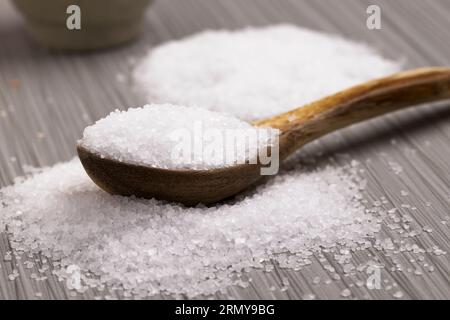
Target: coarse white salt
<point>149,246</point>
<point>171,136</point>
<point>346,293</point>
<point>256,72</point>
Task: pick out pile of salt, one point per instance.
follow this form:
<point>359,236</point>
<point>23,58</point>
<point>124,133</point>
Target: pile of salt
<point>147,246</point>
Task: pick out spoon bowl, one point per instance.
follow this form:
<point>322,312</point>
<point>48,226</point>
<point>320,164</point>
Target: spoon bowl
<point>189,187</point>
<point>297,128</point>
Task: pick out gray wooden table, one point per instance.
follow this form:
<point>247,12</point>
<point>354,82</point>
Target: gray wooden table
<point>47,99</point>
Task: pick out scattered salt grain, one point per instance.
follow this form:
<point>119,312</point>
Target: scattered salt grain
<point>256,72</point>
<point>316,280</point>
<point>346,293</point>
<point>12,277</point>
<point>66,216</point>
<point>427,229</point>
<point>404,193</point>
<point>398,295</point>
<point>348,268</point>
<point>395,167</point>
<point>309,296</point>
<point>336,277</point>
<point>438,252</point>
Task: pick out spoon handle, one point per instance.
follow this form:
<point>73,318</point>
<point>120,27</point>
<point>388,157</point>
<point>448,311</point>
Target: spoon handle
<point>371,99</point>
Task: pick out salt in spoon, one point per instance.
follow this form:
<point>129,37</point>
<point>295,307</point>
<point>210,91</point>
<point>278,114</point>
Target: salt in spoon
<point>297,128</point>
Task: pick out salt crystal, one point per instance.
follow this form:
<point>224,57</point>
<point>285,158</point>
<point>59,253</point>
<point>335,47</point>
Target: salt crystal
<point>395,167</point>
<point>346,293</point>
<point>309,296</point>
<point>438,251</point>
<point>285,281</point>
<point>398,295</point>
<point>110,238</point>
<point>329,268</point>
<point>170,136</point>
<point>348,268</point>
<point>377,203</point>
<point>256,72</point>
<point>106,230</point>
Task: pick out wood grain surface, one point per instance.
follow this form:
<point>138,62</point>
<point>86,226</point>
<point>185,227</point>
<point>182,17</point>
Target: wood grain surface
<point>47,98</point>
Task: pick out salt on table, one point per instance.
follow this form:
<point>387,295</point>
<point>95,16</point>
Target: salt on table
<point>147,246</point>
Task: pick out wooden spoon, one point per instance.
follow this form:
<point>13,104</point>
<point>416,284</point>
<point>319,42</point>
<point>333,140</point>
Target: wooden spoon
<point>297,127</point>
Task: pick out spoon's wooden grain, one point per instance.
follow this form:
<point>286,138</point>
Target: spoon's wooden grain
<point>189,187</point>
<point>368,100</point>
<point>297,128</point>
